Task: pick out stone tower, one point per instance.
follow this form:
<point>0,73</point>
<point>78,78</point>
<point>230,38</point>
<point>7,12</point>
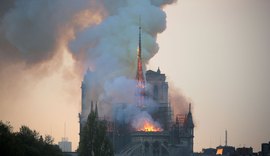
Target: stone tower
<point>157,90</point>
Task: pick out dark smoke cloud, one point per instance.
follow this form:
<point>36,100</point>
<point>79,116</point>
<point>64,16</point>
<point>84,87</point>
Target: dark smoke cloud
<point>5,6</point>
<point>33,31</point>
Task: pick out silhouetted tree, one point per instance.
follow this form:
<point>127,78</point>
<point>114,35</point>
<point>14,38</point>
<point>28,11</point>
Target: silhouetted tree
<point>7,139</point>
<point>94,140</point>
<point>26,142</point>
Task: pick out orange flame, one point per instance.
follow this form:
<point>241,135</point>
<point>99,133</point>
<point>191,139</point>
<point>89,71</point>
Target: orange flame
<point>150,127</point>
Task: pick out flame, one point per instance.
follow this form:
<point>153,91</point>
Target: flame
<point>150,127</point>
<point>219,151</point>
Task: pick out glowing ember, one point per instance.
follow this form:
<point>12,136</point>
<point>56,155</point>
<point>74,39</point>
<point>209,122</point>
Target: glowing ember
<point>150,127</point>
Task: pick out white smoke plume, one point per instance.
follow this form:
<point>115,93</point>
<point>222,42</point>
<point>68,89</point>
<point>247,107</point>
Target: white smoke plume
<point>110,47</point>
<point>112,44</point>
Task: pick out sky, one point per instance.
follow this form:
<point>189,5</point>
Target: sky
<point>216,53</point>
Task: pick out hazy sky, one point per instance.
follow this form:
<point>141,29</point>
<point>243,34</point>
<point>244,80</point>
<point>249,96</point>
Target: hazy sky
<point>215,52</point>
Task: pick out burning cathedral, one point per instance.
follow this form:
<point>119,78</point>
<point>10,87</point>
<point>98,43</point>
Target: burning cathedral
<point>147,126</point>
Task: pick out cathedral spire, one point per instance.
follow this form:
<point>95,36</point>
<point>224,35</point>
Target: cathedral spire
<point>190,123</point>
<point>189,108</point>
<point>139,74</point>
<point>140,43</point>
<point>158,71</point>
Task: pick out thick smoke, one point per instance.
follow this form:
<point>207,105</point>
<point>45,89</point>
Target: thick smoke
<point>104,32</point>
<point>109,49</point>
<point>101,35</point>
<point>112,44</point>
